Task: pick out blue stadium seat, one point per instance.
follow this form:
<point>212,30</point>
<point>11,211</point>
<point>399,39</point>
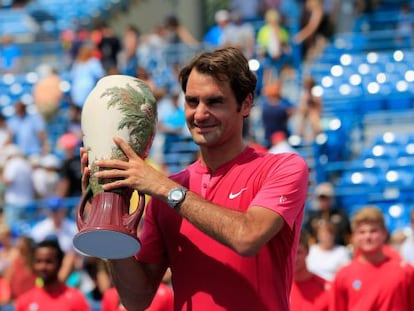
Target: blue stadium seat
<point>381,151</point>
<point>397,177</point>
<point>178,158</point>
<point>399,101</point>
<point>371,103</point>
<point>186,145</point>
<point>389,138</point>
<point>357,187</point>
<point>397,215</point>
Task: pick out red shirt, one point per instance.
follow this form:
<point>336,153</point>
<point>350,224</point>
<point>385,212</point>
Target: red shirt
<point>207,275</point>
<point>163,300</point>
<point>63,299</point>
<point>386,286</point>
<point>310,295</point>
<point>111,301</point>
<point>23,278</point>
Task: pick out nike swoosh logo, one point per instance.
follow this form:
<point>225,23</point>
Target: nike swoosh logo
<point>235,195</point>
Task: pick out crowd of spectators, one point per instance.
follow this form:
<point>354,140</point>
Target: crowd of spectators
<point>36,171</point>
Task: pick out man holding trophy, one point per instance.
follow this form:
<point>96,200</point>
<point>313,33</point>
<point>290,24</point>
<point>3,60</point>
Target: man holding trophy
<point>228,225</point>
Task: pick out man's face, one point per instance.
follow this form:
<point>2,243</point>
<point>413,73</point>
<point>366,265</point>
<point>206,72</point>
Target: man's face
<point>325,202</point>
<point>325,236</point>
<point>46,264</point>
<point>369,237</point>
<point>211,111</point>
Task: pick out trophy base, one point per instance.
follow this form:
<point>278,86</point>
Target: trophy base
<point>106,244</point>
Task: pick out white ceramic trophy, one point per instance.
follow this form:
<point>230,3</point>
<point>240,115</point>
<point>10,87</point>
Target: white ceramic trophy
<point>118,106</point>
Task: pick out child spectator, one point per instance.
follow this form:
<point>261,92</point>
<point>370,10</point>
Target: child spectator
<point>358,286</point>
<point>51,293</point>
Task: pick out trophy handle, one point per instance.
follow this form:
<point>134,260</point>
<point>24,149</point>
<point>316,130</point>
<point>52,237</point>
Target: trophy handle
<point>81,207</point>
<point>131,221</point>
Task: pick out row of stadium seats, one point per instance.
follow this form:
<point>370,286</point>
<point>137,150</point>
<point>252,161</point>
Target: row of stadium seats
<point>367,82</point>
<point>366,78</point>
<point>382,174</point>
<point>51,17</point>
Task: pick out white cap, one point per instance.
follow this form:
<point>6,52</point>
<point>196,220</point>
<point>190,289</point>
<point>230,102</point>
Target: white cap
<point>221,16</point>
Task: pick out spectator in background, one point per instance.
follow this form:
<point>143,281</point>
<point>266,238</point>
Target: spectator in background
<point>70,177</point>
<point>273,44</point>
<point>280,144</point>
<point>325,209</point>
<point>58,226</point>
<point>8,250</point>
<point>5,135</point>
<point>111,301</point>
<point>315,30</point>
<point>28,131</point>
<point>74,41</point>
<point>45,176</point>
<point>407,247</point>
<point>17,179</point>
<point>242,36</point>
<point>109,46</point>
<point>308,114</point>
<point>176,33</point>
<point>94,278</point>
<point>358,286</point>
<point>152,47</point>
<point>128,57</point>
<point>331,9</point>
<point>53,294</point>
<point>325,256</point>
<point>276,111</point>
<point>310,292</point>
<point>8,253</point>
<point>20,274</point>
<point>178,39</point>
<point>10,55</point>
<point>223,28</point>
<point>171,119</point>
<point>272,4</point>
<point>86,70</point>
<point>47,92</point>
<point>74,123</point>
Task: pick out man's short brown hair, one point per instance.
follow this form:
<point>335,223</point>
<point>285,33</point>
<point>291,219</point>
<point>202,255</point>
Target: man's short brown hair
<point>368,214</point>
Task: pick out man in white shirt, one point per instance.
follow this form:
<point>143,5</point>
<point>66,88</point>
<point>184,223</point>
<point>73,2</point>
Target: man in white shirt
<point>56,225</point>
